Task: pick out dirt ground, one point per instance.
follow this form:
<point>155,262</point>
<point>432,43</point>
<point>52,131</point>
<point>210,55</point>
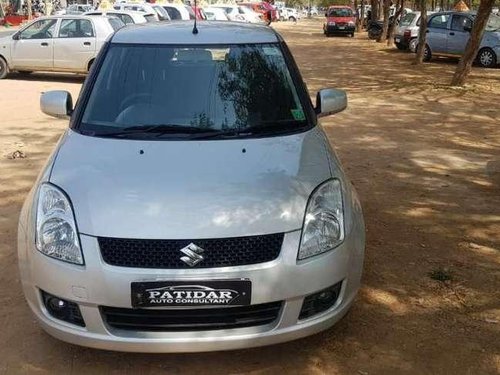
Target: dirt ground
<point>425,160</point>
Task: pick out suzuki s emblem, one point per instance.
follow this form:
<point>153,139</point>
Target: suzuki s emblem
<point>192,254</point>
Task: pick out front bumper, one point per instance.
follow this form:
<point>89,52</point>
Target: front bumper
<point>99,284</point>
<point>401,40</point>
<point>329,29</point>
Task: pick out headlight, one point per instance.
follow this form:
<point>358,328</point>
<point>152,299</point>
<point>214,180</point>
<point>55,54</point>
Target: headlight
<point>350,23</point>
<point>56,234</point>
<point>323,228</point>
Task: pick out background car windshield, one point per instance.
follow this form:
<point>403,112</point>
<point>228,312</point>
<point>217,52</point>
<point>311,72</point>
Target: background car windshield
<point>407,20</point>
<point>493,23</point>
<point>213,88</point>
<point>340,12</point>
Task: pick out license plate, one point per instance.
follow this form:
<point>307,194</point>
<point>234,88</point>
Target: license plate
<point>398,40</point>
<point>341,27</point>
<point>191,293</point>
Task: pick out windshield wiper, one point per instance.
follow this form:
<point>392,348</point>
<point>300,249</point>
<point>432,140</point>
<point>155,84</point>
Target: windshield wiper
<point>262,128</point>
<point>155,130</point>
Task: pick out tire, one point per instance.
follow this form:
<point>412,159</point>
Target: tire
<point>282,18</point>
<point>352,35</point>
<point>4,68</point>
<point>90,65</point>
<point>412,46</point>
<point>400,46</point>
<point>427,53</point>
<point>292,19</point>
<point>486,58</point>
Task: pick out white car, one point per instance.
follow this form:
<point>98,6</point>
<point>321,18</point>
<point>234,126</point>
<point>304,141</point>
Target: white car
<point>240,13</point>
<point>289,14</point>
<point>215,14</point>
<point>77,9</point>
<point>160,13</point>
<point>56,43</point>
<point>128,17</point>
<point>177,11</point>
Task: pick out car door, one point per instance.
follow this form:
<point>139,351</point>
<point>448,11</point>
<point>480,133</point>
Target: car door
<point>437,33</point>
<point>33,47</point>
<point>458,34</point>
<point>75,45</point>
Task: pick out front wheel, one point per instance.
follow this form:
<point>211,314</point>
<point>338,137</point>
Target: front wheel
<point>427,53</point>
<point>412,46</point>
<point>487,58</point>
<point>4,68</point>
<point>292,19</point>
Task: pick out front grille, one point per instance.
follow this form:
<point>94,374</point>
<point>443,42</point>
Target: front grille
<point>201,319</point>
<point>223,252</point>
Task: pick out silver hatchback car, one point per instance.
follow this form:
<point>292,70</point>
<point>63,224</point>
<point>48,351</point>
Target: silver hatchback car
<point>194,203</point>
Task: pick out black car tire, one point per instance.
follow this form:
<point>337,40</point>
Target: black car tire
<point>292,19</point>
<point>4,68</point>
<point>486,58</point>
<point>427,53</point>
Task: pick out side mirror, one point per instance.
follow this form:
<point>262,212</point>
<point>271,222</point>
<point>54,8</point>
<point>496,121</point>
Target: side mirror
<point>330,101</point>
<point>16,36</point>
<point>468,28</point>
<point>56,103</point>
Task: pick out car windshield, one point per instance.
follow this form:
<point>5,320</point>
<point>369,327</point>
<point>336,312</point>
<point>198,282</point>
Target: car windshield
<point>183,90</point>
<point>407,20</point>
<point>493,23</point>
<point>340,12</point>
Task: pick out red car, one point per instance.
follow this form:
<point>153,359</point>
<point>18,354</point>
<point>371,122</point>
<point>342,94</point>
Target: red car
<point>340,19</point>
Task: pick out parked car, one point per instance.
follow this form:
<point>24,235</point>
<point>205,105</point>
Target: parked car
<point>406,33</point>
<point>177,11</point>
<point>76,9</point>
<point>128,17</point>
<point>289,14</point>
<point>215,14</point>
<point>340,19</point>
<point>448,33</point>
<point>269,13</point>
<point>56,43</point>
<point>240,13</point>
<point>160,15</point>
<point>195,203</point>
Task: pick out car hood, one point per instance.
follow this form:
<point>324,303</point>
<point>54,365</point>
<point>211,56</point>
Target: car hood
<point>190,189</point>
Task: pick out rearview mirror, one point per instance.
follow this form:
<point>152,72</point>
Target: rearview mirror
<point>330,101</point>
<point>56,103</point>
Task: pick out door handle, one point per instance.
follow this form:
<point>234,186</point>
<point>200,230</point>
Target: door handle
<point>44,44</point>
<point>452,33</point>
<point>86,43</point>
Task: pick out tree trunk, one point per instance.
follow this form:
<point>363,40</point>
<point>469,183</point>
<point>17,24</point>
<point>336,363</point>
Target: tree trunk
<point>30,9</point>
<point>465,65</point>
<point>385,26</point>
<point>374,10</point>
<point>362,21</point>
<point>422,33</point>
<point>392,27</point>
<point>357,15</point>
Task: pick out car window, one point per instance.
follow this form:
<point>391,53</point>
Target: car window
<point>76,28</point>
<point>212,88</point>
<point>173,13</point>
<point>407,20</point>
<point>116,23</point>
<point>125,18</point>
<point>440,21</point>
<point>43,29</point>
<point>459,22</point>
<point>493,23</point>
<point>339,12</point>
<point>150,17</point>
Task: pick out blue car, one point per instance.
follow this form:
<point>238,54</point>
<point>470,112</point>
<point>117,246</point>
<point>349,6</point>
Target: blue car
<point>448,33</point>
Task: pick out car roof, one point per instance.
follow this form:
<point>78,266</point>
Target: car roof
<point>209,32</point>
<point>470,13</point>
<point>339,6</point>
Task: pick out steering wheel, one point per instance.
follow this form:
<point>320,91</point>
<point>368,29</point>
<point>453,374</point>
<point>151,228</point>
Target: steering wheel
<point>134,99</point>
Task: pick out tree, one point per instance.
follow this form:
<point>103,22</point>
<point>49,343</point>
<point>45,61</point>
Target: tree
<point>374,10</point>
<point>392,27</point>
<point>465,65</point>
<point>422,33</point>
<point>385,26</point>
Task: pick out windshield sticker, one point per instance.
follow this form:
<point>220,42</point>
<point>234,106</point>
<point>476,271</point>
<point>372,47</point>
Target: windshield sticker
<point>271,51</point>
<point>298,114</point>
